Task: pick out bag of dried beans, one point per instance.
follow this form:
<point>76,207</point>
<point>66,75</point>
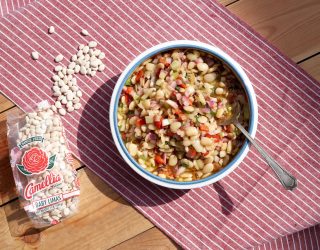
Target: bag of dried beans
<point>42,165</point>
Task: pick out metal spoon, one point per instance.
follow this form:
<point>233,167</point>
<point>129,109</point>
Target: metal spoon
<point>287,180</point>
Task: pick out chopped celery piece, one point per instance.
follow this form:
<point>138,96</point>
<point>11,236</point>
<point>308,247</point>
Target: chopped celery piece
<point>128,82</point>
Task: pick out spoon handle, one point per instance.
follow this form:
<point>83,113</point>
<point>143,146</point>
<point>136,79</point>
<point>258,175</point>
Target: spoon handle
<point>287,180</point>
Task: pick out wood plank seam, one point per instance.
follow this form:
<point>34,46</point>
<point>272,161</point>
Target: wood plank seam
<point>7,202</point>
<point>5,110</point>
<point>131,238</point>
<point>231,3</point>
<point>309,57</point>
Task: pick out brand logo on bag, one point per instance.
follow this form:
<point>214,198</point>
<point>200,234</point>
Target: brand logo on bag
<point>30,140</point>
<point>35,161</point>
<point>32,188</point>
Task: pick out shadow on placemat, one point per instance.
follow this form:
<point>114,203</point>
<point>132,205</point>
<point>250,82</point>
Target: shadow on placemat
<point>225,200</point>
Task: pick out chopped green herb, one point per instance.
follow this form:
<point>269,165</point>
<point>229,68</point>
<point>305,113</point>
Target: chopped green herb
<point>128,82</point>
<point>143,157</point>
<point>237,131</point>
<point>174,74</point>
<point>197,119</point>
<point>184,165</point>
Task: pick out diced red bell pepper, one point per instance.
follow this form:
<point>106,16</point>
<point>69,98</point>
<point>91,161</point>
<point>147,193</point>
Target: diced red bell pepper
<point>205,154</point>
<point>191,153</point>
<point>177,111</point>
<point>139,75</point>
<point>173,94</point>
<point>158,124</point>
<point>140,122</point>
<point>182,85</point>
<point>123,135</point>
<point>162,59</point>
<point>128,90</point>
<point>128,98</point>
<point>158,159</point>
<point>217,137</point>
<point>203,127</point>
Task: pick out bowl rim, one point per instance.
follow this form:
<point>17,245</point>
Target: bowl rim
<point>176,45</point>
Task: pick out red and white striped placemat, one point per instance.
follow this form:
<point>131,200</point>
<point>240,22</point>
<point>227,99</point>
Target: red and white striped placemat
<point>8,6</point>
<point>247,208</point>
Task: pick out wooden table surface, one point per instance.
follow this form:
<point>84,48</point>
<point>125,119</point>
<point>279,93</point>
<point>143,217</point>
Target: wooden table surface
<point>105,220</point>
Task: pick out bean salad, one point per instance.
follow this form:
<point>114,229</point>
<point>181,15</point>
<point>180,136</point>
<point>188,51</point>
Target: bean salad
<point>168,113</point>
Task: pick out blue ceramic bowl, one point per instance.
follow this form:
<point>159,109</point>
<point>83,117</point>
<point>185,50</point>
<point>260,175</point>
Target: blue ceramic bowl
<point>184,44</point>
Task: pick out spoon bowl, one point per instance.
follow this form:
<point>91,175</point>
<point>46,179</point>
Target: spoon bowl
<point>236,110</point>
